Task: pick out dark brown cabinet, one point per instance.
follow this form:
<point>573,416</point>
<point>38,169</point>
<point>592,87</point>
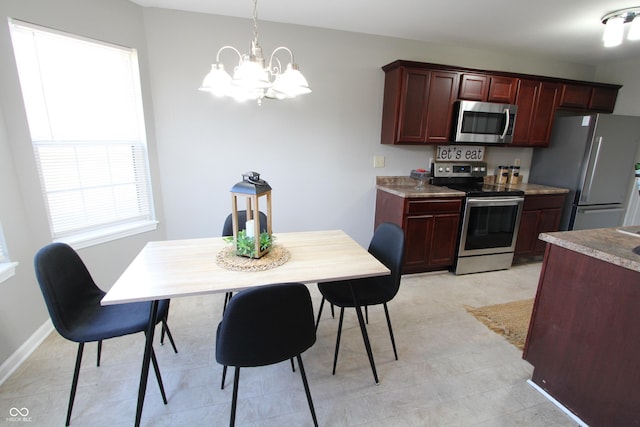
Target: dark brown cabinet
<point>477,87</point>
<point>540,214</point>
<point>588,98</point>
<point>603,99</point>
<point>418,106</point>
<point>537,103</point>
<point>583,340</point>
<point>430,226</point>
<point>575,96</point>
<point>419,101</point>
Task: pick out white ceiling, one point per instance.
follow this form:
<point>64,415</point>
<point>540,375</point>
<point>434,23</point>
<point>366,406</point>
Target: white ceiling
<point>569,29</point>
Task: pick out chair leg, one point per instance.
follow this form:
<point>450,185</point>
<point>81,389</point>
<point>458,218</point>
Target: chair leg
<point>335,356</point>
<point>74,382</point>
<point>333,314</point>
<point>158,377</point>
<point>234,400</point>
<point>227,298</point>
<point>306,390</point>
<point>224,375</point>
<point>393,342</point>
<point>165,328</point>
<point>99,353</point>
<point>320,313</point>
<point>293,367</point>
<point>366,313</point>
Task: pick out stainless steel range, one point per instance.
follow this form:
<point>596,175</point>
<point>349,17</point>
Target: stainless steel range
<point>491,217</point>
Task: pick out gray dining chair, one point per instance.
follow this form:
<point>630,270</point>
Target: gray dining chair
<point>387,245</point>
<point>73,301</point>
<point>263,326</point>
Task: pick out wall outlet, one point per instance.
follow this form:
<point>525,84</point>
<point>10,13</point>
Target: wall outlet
<point>378,161</point>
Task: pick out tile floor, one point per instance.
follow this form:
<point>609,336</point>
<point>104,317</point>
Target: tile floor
<point>452,370</point>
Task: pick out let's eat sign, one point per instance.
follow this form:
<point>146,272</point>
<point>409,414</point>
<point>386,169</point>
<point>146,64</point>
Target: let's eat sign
<point>453,153</point>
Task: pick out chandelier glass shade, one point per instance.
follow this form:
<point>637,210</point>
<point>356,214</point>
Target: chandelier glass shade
<point>253,78</point>
<point>615,23</point>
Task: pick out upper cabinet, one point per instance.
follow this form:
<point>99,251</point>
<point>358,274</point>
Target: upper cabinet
<point>418,106</point>
<point>537,103</point>
<point>588,97</point>
<point>478,87</point>
<point>420,101</point>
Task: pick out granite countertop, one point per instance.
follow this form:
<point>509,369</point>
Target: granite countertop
<point>534,189</point>
<point>613,245</point>
<point>405,186</point>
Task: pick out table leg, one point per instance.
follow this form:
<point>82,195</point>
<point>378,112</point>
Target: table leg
<point>148,348</point>
<point>363,329</point>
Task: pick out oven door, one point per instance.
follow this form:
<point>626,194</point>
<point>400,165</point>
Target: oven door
<point>490,225</point>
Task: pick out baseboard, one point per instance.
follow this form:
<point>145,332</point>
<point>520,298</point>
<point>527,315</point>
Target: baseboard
<point>20,355</point>
<point>570,414</point>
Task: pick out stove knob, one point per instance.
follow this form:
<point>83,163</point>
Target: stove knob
<point>440,169</point>
<point>482,169</point>
<point>448,169</point>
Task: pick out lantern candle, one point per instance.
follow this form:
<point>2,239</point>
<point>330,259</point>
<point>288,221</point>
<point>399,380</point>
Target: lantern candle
<point>250,226</point>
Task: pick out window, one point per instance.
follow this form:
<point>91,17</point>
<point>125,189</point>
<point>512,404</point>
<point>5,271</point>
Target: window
<point>7,268</point>
<point>84,108</point>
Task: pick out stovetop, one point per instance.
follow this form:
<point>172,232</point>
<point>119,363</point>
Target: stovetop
<point>483,190</point>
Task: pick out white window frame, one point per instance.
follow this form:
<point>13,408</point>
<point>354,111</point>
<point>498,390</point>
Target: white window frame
<point>7,268</point>
<point>95,178</point>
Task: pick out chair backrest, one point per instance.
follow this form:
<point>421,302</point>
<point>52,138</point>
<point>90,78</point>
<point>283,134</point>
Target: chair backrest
<point>266,325</point>
<point>227,229</point>
<point>66,285</point>
<point>387,245</point>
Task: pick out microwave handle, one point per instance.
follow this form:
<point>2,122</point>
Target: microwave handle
<point>506,124</point>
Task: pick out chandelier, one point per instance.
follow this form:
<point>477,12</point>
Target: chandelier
<point>253,78</point>
<point>614,26</point>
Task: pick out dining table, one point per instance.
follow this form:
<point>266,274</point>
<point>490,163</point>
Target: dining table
<point>190,267</point>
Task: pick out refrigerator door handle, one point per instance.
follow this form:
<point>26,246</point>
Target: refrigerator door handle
<point>587,193</point>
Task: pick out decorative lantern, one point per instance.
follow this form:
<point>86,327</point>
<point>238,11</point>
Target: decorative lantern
<point>251,242</point>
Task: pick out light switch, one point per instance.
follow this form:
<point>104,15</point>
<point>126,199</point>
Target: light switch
<point>378,161</point>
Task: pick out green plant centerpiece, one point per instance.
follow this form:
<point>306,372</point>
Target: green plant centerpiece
<point>246,245</point>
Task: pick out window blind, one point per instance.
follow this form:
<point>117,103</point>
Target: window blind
<point>84,108</point>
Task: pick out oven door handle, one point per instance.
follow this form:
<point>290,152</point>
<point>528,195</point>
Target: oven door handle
<point>494,201</point>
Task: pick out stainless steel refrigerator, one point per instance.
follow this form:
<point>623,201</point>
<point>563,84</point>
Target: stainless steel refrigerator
<point>593,156</point>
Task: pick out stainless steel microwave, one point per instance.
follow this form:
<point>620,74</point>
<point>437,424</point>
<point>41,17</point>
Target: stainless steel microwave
<point>485,122</point>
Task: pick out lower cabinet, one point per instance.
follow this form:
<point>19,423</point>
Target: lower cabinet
<point>540,214</point>
<point>430,227</point>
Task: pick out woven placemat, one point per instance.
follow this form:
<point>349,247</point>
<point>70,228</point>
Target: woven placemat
<point>276,256</point>
<point>510,320</point>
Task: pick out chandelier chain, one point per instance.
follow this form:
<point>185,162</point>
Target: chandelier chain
<point>255,21</point>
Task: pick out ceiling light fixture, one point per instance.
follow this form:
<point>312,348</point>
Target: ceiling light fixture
<point>252,77</point>
<point>614,26</point>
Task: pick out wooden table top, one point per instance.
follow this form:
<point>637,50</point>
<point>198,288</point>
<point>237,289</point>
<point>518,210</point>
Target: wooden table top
<point>176,268</point>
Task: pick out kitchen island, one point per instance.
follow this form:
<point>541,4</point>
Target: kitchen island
<point>584,335</point>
